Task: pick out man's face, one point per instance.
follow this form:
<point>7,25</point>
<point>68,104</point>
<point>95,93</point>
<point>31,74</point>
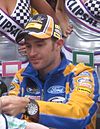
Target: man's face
<point>41,53</point>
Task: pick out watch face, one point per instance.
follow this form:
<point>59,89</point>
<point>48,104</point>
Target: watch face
<point>32,109</point>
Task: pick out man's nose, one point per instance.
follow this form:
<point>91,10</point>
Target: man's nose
<point>33,51</point>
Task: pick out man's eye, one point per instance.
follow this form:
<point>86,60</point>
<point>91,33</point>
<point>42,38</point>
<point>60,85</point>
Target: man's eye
<point>39,45</point>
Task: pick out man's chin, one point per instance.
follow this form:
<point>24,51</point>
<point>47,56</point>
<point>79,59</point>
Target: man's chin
<point>37,67</point>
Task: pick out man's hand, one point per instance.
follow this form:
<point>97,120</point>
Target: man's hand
<point>13,105</point>
<point>22,50</point>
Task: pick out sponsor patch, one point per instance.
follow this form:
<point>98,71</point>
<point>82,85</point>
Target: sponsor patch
<point>84,89</point>
<point>84,74</point>
<point>33,97</point>
<point>82,80</point>
<point>32,90</point>
<point>57,89</point>
<point>86,85</point>
<point>57,99</point>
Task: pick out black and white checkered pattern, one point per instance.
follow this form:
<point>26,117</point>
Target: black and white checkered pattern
<point>93,7</point>
<point>22,12</point>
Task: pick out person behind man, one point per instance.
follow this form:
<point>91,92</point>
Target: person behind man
<point>67,95</point>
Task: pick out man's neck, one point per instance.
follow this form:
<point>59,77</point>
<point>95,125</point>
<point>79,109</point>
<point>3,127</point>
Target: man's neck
<point>45,71</point>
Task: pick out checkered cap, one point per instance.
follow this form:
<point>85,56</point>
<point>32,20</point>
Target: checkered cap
<point>22,12</point>
<point>93,7</point>
<point>40,26</point>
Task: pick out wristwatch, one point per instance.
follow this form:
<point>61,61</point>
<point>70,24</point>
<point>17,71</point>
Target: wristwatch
<point>32,110</point>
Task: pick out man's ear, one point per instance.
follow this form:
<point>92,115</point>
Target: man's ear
<point>60,42</point>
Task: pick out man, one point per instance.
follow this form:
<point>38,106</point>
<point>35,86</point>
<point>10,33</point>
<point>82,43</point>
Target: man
<point>66,94</point>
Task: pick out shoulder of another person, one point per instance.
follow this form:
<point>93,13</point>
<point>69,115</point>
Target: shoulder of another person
<point>3,5</point>
<point>84,1</point>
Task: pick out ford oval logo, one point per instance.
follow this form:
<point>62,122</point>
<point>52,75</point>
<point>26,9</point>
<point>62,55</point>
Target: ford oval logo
<point>56,89</point>
<point>32,91</point>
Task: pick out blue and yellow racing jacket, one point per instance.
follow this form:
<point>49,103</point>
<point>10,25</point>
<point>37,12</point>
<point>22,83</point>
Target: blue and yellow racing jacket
<point>67,97</point>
